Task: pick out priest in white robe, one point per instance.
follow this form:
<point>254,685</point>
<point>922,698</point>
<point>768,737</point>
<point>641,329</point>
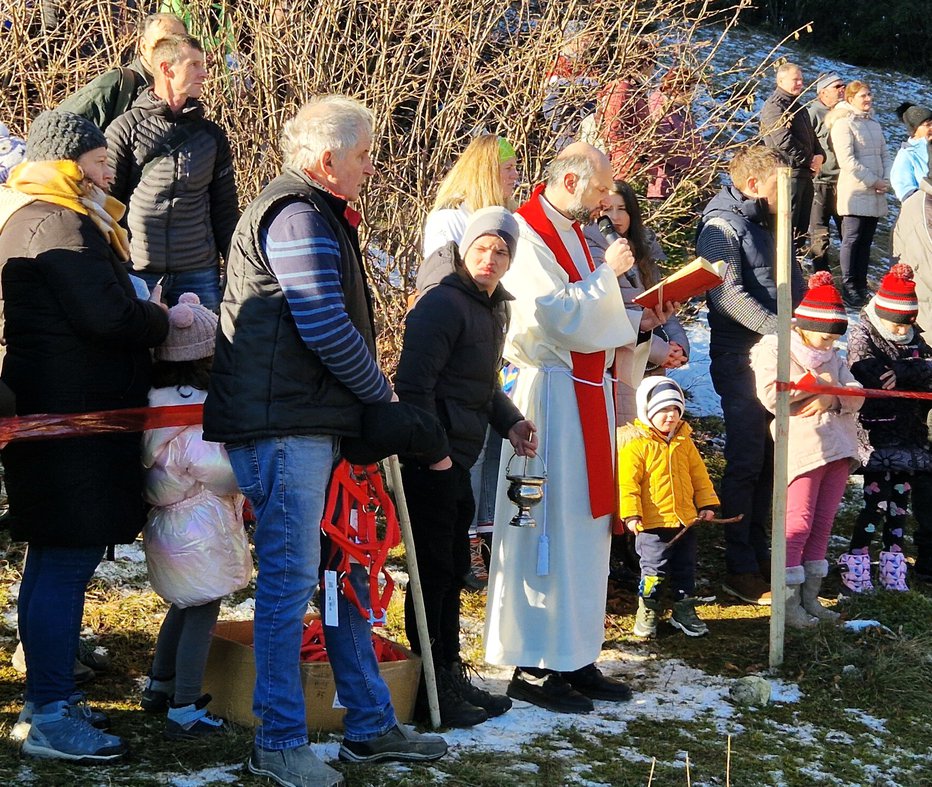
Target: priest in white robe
<point>547,584</point>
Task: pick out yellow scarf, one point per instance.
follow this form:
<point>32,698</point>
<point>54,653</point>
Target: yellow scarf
<point>61,183</point>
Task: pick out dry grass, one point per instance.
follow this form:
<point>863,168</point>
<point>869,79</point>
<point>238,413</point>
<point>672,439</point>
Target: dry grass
<point>433,71</point>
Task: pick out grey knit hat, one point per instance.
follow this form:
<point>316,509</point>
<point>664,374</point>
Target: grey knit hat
<point>56,135</point>
<point>491,221</point>
<point>192,331</point>
<point>827,80</point>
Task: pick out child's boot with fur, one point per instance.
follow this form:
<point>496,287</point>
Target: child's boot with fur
<point>796,616</point>
<point>816,571</point>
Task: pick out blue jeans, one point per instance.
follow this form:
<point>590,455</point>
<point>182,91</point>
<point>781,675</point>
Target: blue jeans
<point>50,608</point>
<point>203,282</point>
<point>285,479</point>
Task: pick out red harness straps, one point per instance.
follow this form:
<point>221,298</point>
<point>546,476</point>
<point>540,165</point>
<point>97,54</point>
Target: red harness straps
<point>354,499</point>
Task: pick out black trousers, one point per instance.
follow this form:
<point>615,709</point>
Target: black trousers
<point>823,213</point>
<point>801,193</point>
<point>747,483</point>
<point>857,237</point>
<point>441,507</point>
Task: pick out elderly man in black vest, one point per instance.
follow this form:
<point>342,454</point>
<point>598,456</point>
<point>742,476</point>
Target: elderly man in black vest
<point>737,227</point>
<point>294,366</point>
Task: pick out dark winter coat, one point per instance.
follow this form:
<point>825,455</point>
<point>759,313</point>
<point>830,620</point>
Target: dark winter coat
<point>265,382</point>
<point>786,126</point>
<point>175,174</point>
<point>450,359</point>
<point>892,433</point>
<point>77,341</point>
<point>106,97</point>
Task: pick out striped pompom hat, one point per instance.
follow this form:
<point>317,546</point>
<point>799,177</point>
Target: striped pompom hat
<point>896,300</point>
<point>822,310</point>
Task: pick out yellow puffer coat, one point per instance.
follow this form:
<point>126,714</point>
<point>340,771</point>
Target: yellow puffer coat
<point>663,483</point>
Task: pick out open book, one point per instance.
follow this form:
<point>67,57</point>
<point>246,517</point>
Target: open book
<point>690,280</point>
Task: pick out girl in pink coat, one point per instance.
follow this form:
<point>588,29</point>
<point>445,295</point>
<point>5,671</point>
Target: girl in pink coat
<point>196,547</point>
<point>823,445</point>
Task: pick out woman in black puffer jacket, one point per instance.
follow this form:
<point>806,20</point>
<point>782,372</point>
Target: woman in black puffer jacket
<point>76,339</point>
<point>449,366</point>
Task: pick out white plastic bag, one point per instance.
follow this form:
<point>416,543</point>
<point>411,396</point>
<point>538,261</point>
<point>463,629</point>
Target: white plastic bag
<point>197,550</point>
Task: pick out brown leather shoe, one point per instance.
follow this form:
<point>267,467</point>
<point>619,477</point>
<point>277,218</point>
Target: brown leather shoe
<point>750,588</point>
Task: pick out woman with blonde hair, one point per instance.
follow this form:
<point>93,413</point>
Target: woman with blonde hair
<point>485,175</point>
<point>863,183</point>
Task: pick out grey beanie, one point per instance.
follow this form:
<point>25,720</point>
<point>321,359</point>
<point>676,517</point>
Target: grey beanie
<point>655,393</point>
<point>57,135</point>
<point>491,221</point>
<point>827,80</point>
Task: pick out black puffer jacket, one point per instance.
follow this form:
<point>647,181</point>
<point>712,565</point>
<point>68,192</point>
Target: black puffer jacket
<point>450,360</point>
<point>77,341</point>
<point>892,433</point>
<point>786,126</point>
<point>175,173</point>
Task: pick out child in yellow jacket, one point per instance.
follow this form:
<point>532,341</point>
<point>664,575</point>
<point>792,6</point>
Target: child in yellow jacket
<point>664,487</point>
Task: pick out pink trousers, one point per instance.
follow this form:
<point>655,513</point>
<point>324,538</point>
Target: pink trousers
<point>812,500</point>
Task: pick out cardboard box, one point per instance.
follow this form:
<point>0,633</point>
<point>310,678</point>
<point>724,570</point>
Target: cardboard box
<point>231,676</point>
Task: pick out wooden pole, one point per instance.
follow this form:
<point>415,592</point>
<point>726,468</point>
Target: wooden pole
<point>783,266</point>
<point>414,588</point>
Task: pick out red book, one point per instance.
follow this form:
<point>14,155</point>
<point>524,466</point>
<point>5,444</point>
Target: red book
<point>690,280</point>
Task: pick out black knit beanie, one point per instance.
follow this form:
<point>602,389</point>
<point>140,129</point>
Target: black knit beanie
<point>913,116</point>
<point>57,135</point>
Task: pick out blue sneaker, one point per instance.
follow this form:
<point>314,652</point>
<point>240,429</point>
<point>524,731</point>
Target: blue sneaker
<point>78,703</point>
<point>188,722</point>
<point>59,732</point>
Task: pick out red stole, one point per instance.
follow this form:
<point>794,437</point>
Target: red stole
<point>590,367</point>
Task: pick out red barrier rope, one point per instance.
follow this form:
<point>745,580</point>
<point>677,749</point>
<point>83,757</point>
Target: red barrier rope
<point>137,419</point>
<point>840,390</point>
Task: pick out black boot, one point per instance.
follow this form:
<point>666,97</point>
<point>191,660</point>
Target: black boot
<point>492,704</point>
<point>454,710</point>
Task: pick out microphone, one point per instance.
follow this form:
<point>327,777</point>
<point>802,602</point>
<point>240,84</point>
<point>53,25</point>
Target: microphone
<point>611,235</point>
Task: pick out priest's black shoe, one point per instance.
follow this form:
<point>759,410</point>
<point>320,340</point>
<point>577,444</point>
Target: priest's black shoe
<point>592,683</point>
<point>547,689</point>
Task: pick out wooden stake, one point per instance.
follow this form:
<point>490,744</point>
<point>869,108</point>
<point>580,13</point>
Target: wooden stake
<point>414,588</point>
<point>728,764</point>
<point>650,778</point>
<point>782,420</point>
<point>689,781</point>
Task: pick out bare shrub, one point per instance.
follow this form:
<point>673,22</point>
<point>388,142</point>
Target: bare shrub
<point>433,71</point>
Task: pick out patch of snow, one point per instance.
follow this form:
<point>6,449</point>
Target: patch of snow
<point>871,722</point>
<point>245,610</point>
<point>224,774</point>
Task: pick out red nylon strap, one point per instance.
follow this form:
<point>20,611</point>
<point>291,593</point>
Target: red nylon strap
<point>354,499</point>
<point>590,399</point>
<point>314,645</point>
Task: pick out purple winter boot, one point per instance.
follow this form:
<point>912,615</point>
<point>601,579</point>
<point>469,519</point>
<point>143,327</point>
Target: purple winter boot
<point>893,571</point>
<point>856,572</point>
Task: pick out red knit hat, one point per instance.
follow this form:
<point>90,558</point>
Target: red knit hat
<point>896,299</point>
<point>822,309</point>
